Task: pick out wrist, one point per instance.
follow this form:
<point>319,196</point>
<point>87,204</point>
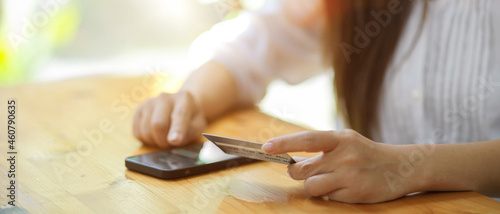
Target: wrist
<point>413,168</point>
<point>214,89</point>
<point>418,157</point>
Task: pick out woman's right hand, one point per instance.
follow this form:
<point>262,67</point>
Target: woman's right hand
<point>169,120</point>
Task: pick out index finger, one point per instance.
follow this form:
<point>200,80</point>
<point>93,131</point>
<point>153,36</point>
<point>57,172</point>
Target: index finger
<point>309,141</point>
<point>181,117</point>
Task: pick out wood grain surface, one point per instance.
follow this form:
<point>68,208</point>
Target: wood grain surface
<point>73,137</point>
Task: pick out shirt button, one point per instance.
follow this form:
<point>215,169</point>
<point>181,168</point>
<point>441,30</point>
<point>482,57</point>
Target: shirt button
<point>416,94</point>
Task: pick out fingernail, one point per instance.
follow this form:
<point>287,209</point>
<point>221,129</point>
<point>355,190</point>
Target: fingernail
<point>173,137</point>
<point>268,147</point>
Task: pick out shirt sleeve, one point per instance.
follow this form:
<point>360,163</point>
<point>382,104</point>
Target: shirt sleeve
<point>257,47</point>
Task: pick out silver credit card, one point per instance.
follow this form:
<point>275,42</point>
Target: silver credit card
<point>247,149</point>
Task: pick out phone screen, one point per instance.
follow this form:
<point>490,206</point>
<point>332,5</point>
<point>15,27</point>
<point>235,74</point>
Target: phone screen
<point>184,161</point>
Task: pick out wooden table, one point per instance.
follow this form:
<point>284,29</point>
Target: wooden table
<point>73,137</point>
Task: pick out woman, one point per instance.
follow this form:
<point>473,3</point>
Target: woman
<point>416,81</point>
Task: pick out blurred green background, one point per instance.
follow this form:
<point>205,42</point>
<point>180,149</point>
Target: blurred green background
<point>56,39</point>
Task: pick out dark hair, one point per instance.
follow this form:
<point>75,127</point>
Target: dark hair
<point>360,39</point>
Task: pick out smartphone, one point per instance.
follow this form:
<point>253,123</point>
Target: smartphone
<point>184,161</point>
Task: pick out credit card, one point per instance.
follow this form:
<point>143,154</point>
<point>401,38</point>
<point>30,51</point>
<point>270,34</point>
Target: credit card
<point>247,149</point>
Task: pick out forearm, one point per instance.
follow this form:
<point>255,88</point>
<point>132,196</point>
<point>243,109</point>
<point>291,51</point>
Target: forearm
<point>459,167</point>
<point>214,88</point>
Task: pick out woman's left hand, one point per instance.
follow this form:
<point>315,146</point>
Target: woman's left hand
<point>351,168</point>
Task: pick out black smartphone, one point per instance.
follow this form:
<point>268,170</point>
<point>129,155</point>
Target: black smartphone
<point>184,161</point>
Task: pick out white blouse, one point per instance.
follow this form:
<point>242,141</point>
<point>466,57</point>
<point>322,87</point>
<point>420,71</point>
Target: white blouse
<point>442,86</point>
